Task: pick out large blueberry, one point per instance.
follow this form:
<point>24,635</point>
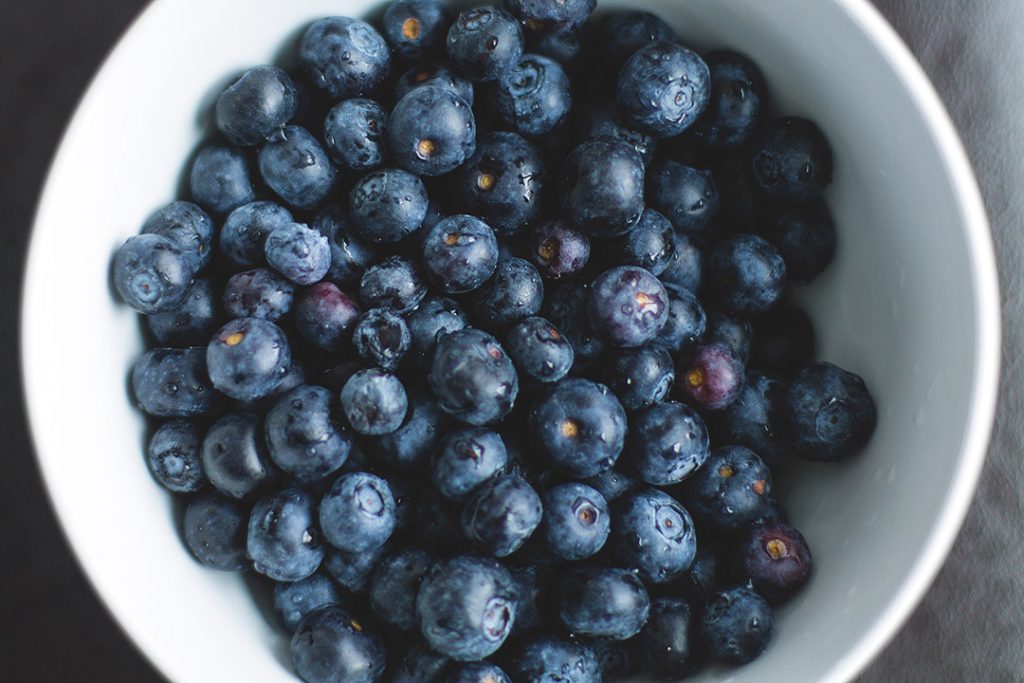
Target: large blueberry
<point>152,274</point>
<point>603,119</point>
<point>686,195</point>
<point>415,28</point>
<point>747,274</point>
<point>301,254</point>
<point>214,531</point>
<point>353,571</point>
<point>546,658</point>
<point>283,540</point>
<point>324,316</point>
<point>730,330</point>
<point>805,236</point>
<point>374,401</point>
<point>466,458</point>
<point>515,292</point>
<point>436,74</point>
<point>711,377</point>
<point>603,187</point>
<point>732,490</point>
<point>244,234</point>
<point>332,645</point>
<point>220,180</point>
<point>736,625</point>
<point>174,456</point>
<point>686,266</point>
<point>257,105</point>
<point>293,601</point>
<point>304,437</point>
<point>484,43</point>
<point>534,96</point>
<point>757,418</point>
<point>188,226</point>
<point>665,646</point>
<point>557,250</point>
<point>792,160</point>
<point>344,56</point>
<point>667,443</point>
<point>622,33</point>
<point>580,427</point>
<point>174,383</point>
<point>473,377</point>
<point>775,558</point>
<point>603,602</point>
<point>830,412</point>
<point>357,513</point>
<point>394,586</point>
<point>350,255</point>
<point>663,88</point>
<point>394,283</point>
<point>628,306</point>
<point>248,358</point>
<point>460,253</point>
<point>737,99</point>
<point>192,323</point>
<point>296,167</point>
<point>652,533</point>
<point>433,317</point>
<point>539,350</point>
<point>501,514</point>
<point>387,205</point>
<point>649,245</point>
<point>258,293</point>
<point>235,455</point>
<point>381,338</point>
<point>613,484</point>
<point>432,131</point>
<point>356,132</point>
<point>576,521</point>
<point>640,377</point>
<point>686,323</point>
<point>411,444</point>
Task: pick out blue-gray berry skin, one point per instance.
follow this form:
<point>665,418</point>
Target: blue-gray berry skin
<point>374,401</point>
<point>539,350</point>
<point>687,321</point>
<point>667,443</point>
<point>234,455</point>
<point>686,266</point>
<point>248,358</point>
<point>350,255</point>
<point>602,187</point>
<point>737,101</point>
<point>174,383</point>
<point>301,254</point>
<point>283,540</point>
<point>534,96</point>
<point>191,323</point>
<point>576,520</point>
<point>412,443</point>
<point>666,647</point>
<point>757,418</point>
<point>566,307</point>
<point>459,254</point>
<point>736,625</point>
<point>415,28</point>
<point>381,338</point>
<point>621,33</point>
<point>477,672</point>
<point>686,195</point>
<point>791,160</point>
<point>331,644</point>
<point>152,274</point>
<point>805,236</point>
<point>388,205</point>
<point>473,378</point>
<point>257,105</point>
<point>484,43</point>
<point>579,427</point>
<point>352,570</point>
<point>731,491</point>
<point>356,134</point>
<point>244,234</point>
<point>552,17</point>
<point>831,414</point>
<point>434,74</point>
<point>220,180</point>
<point>730,330</point>
<point>466,607</point>
<point>552,658</point>
<point>603,602</point>
<point>394,586</point>
<point>214,529</point>
<point>294,600</point>
<point>747,274</point>
<point>345,57</point>
<point>465,459</point>
<point>394,283</point>
<point>174,456</point>
<point>420,664</point>
<point>304,437</point>
<point>186,225</point>
<point>514,292</point>
<point>432,131</point>
<point>357,513</point>
<point>324,316</point>
<point>603,119</point>
<point>640,377</point>
<point>613,484</point>
<point>295,166</point>
<point>654,534</point>
<point>258,293</point>
<point>432,318</point>
<point>628,306</point>
<point>663,88</point>
<point>501,514</point>
<point>649,245</point>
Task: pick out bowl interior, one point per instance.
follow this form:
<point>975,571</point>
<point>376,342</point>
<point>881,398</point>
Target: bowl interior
<point>909,304</point>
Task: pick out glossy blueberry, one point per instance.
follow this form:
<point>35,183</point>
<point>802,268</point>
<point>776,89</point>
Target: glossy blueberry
<point>293,601</point>
<point>775,558</point>
<point>466,607</point>
<point>374,402</point>
<point>603,602</point>
<point>387,205</point>
<point>711,377</point>
<point>503,182</point>
<point>256,105</point>
<point>732,331</point>
<point>435,74</point>
<point>477,672</point>
<point>484,43</point>
<point>152,274</point>
<point>705,575</point>
<point>805,236</point>
<point>501,514</point>
<point>393,283</point>
<point>381,338</point>
<point>459,254</point>
<point>783,341</point>
<point>579,427</point>
<point>738,98</point>
<point>640,377</point>
<point>603,187</point>
<point>174,458</point>
<point>628,306</point>
<point>473,378</point>
<point>357,513</point>
<point>465,459</point>
<point>603,120</point>
<point>830,412</point>
<point>433,317</point>
<point>686,265</point>
<point>350,255</point>
<point>283,540</point>
<point>557,250</point>
<point>732,490</point>
<point>652,533</point>
<point>566,307</point>
<point>332,645</point>
<point>747,274</point>
<point>220,181</point>
<point>547,658</point>
<point>539,350</point>
<point>576,521</point>
<point>736,625</point>
<point>792,160</point>
<point>248,358</point>
<point>415,28</point>
<point>355,134</point>
<point>186,225</point>
<point>667,443</point>
<point>534,96</point>
<point>612,484</point>
<point>551,17</point>
<point>514,292</point>
<point>413,442</point>
<point>244,235</point>
<point>687,321</point>
<point>325,315</point>
<point>650,244</point>
<point>234,455</point>
<point>394,585</point>
<point>295,166</point>
<point>432,131</point>
<point>192,323</point>
<point>686,195</point>
<point>344,56</point>
<point>174,383</point>
<point>663,88</point>
<point>304,437</point>
<point>665,646</point>
<point>353,571</point>
<point>214,531</point>
<point>258,293</point>
<point>299,253</point>
<point>620,34</point>
<point>757,418</point>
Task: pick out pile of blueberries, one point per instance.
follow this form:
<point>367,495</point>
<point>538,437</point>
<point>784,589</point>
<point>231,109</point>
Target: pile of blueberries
<point>444,333</point>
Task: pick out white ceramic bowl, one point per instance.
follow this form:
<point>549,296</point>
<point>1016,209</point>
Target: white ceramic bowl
<point>911,304</point>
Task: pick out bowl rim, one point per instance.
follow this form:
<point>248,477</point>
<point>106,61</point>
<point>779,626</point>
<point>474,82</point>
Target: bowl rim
<point>984,385</point>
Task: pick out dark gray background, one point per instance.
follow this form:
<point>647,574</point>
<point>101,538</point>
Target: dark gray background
<point>970,625</point>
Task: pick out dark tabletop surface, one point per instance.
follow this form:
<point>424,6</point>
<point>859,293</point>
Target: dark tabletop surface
<point>970,627</point>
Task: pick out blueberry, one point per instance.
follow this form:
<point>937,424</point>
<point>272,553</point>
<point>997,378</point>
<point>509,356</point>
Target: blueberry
<point>324,316</point>
<point>667,443</point>
<point>792,160</point>
<point>394,586</point>
<point>551,17</point>
<point>473,377</point>
<point>420,664</point>
<point>484,43</point>
<point>539,350</point>
<point>783,341</point>
<point>186,225</point>
<point>738,98</point>
<point>565,48</point>
<point>220,181</point>
<point>433,317</point>
<point>705,575</point>
<point>686,195</point>
<point>214,531</point>
<point>303,435</point>
<point>393,283</point>
<point>350,255</point>
<point>757,418</point>
<point>432,131</point>
<point>381,338</point>
<point>711,378</point>
<point>258,293</point>
<point>566,308</point>
<point>686,265</point>
<point>174,457</point>
<point>353,571</point>
<point>515,292</point>
<point>736,625</point>
<point>501,514</point>
<point>355,134</point>
<point>730,330</point>
<point>534,96</point>
<point>331,645</point>
<point>477,672</point>
<point>640,377</point>
<point>732,490</point>
<point>295,166</point>
<point>687,321</point>
<point>283,540</point>
<point>152,274</point>
<point>344,56</point>
<point>503,182</point>
<point>628,306</point>
<point>357,513</point>
<point>830,412</point>
<point>174,383</point>
<point>747,274</point>
<point>412,443</point>
<point>415,28</point>
<point>603,187</point>
<point>622,33</point>
<point>805,236</point>
<point>387,205</point>
<point>604,602</point>
<point>775,558</point>
<point>466,607</point>
<point>652,533</point>
<point>576,521</point>
<point>293,601</point>
<point>434,74</point>
<point>604,120</point>
<point>374,402</point>
<point>244,235</point>
<point>256,105</point>
<point>465,459</point>
<point>665,646</point>
<point>557,250</point>
<point>248,358</point>
<point>546,658</point>
<point>234,455</point>
<point>192,323</point>
<point>649,245</point>
<point>580,427</point>
<point>612,484</point>
<point>459,254</point>
<point>663,88</point>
